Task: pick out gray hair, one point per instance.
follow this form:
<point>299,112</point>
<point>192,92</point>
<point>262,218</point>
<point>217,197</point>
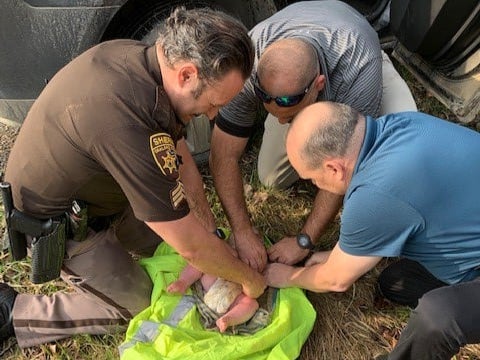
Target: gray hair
<point>332,138</point>
<point>214,41</point>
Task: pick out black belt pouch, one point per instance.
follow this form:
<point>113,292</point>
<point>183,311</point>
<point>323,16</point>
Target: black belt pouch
<point>47,254</point>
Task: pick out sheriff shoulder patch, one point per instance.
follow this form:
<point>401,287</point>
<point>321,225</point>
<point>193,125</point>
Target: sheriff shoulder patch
<point>163,151</point>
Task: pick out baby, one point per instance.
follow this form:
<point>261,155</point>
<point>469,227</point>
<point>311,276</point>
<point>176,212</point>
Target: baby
<point>224,297</point>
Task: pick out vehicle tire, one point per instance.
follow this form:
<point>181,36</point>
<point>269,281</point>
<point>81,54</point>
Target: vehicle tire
<point>443,32</point>
<point>139,20</point>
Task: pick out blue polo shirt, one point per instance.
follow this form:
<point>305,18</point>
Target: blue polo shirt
<point>415,193</point>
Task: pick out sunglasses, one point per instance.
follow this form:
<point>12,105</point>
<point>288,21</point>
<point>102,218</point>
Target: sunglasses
<point>282,101</point>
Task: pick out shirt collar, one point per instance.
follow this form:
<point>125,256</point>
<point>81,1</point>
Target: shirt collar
<point>368,140</point>
<point>152,63</point>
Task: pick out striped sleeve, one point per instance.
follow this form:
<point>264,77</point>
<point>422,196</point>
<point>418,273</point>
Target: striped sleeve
<point>237,118</point>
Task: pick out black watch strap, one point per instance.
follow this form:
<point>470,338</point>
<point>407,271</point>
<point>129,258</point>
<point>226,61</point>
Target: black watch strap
<point>220,233</point>
<point>304,241</point>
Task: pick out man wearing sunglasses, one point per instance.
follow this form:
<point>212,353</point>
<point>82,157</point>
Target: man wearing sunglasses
<point>309,51</point>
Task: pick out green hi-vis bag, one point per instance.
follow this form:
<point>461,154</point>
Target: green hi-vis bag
<point>171,328</point>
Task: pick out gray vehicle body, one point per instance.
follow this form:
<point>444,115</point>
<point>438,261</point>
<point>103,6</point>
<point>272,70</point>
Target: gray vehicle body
<point>38,37</point>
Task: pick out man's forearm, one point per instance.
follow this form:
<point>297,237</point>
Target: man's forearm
<point>194,189</point>
<point>199,205</point>
<point>326,271</point>
<point>206,252</point>
<point>325,207</point>
<point>229,186</point>
<point>202,210</point>
<point>314,278</point>
<point>218,260</point>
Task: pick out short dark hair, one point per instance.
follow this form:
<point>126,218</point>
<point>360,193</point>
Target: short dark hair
<point>214,41</point>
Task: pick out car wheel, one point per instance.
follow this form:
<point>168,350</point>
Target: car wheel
<point>138,19</point>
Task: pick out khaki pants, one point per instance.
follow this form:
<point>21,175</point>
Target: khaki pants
<point>275,170</point>
<point>109,287</point>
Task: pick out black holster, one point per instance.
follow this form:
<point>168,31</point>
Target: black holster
<point>48,252</point>
<point>48,239</point>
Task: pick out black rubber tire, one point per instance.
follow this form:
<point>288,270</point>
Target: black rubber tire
<point>137,18</point>
<point>445,37</point>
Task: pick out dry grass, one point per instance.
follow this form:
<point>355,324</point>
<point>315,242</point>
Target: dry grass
<point>354,325</point>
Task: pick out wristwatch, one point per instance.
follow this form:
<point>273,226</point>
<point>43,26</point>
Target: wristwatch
<point>220,233</point>
<point>304,241</point>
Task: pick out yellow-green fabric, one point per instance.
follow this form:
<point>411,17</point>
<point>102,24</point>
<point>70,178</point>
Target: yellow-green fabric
<point>150,337</point>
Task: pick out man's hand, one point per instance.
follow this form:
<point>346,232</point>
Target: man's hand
<point>254,286</point>
<point>279,275</point>
<point>251,249</point>
<point>287,251</point>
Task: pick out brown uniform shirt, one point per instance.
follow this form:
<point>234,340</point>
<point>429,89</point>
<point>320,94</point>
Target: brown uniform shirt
<point>102,131</point>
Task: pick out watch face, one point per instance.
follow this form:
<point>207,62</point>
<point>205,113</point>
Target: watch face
<point>220,233</point>
<point>304,241</point>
